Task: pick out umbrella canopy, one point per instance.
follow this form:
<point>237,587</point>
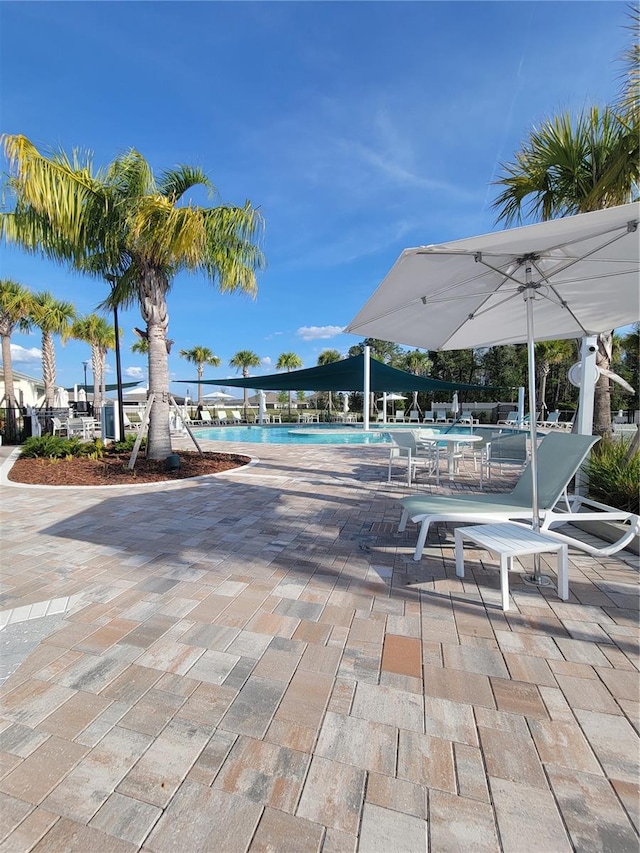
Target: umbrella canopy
<point>469,293</point>
<point>566,278</point>
<point>217,395</point>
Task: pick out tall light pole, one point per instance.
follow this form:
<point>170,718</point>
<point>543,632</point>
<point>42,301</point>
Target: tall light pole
<point>113,281</point>
<point>85,364</point>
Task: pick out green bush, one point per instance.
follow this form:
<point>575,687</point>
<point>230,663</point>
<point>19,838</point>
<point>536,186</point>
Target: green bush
<point>126,445</point>
<point>50,447</point>
<point>614,478</point>
<point>59,447</point>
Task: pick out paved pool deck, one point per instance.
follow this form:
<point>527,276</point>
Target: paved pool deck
<point>254,662</point>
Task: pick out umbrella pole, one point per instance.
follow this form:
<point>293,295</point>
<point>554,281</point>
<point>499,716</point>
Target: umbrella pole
<point>537,577</point>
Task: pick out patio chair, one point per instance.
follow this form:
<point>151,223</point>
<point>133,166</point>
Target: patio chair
<point>559,458</point>
<point>58,426</point>
<point>234,416</point>
<point>414,416</point>
<point>220,416</point>
<point>205,416</point>
<point>398,417</point>
<point>405,447</point>
<point>510,420</point>
<point>441,417</point>
<point>467,418</point>
<point>552,420</point>
<point>428,417</point>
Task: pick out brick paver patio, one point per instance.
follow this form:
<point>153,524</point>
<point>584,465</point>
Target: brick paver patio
<point>254,662</point>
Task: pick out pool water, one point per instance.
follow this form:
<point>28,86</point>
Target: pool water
<point>289,434</point>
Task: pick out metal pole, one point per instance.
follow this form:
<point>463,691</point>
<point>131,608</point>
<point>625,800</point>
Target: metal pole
<point>116,329</point>
<point>529,295</point>
<point>366,386</point>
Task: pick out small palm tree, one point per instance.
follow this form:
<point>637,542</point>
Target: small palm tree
<point>16,306</point>
<point>52,317</point>
<point>243,360</point>
<point>141,346</point>
<point>288,361</point>
<point>329,356</point>
<point>101,337</point>
<point>200,356</point>
<point>549,353</point>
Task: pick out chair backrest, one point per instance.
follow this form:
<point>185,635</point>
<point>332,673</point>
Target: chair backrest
<point>414,415</point>
<point>404,438</point>
<point>399,414</point>
<point>559,457</point>
<point>428,416</point>
<point>512,418</point>
<point>441,415</point>
<point>57,423</point>
<point>510,447</point>
<point>205,415</point>
<point>552,417</point>
<point>235,415</point>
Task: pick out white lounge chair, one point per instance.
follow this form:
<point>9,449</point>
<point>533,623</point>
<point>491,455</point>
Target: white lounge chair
<point>510,420</point>
<point>467,418</point>
<point>441,417</point>
<point>552,421</point>
<point>398,417</point>
<point>234,416</point>
<point>560,455</point>
<point>414,416</point>
<point>428,418</point>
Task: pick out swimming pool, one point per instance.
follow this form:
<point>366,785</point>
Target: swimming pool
<point>290,434</point>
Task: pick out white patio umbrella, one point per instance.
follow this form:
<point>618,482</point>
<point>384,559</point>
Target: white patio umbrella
<point>217,395</point>
<point>577,276</point>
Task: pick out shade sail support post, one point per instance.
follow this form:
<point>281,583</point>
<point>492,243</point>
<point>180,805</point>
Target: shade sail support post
<point>366,387</point>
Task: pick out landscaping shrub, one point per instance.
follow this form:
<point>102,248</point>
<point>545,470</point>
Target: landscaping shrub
<point>60,447</point>
<point>614,478</point>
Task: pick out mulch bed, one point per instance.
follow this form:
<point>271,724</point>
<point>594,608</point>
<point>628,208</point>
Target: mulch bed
<point>112,469</point>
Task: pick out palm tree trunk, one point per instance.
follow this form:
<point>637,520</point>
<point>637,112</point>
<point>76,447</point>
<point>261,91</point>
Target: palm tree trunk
<point>9,390</point>
<point>48,369</point>
<point>96,367</point>
<point>153,306</point>
<point>200,370</point>
<point>602,394</point>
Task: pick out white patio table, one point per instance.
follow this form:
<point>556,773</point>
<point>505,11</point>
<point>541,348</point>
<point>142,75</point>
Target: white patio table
<point>453,441</point>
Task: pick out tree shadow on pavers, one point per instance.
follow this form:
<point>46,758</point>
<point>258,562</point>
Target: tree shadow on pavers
<point>187,531</point>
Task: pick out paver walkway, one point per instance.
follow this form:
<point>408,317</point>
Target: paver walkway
<point>254,662</point>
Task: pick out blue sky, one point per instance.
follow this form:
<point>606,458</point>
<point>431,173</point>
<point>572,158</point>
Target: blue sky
<point>358,129</point>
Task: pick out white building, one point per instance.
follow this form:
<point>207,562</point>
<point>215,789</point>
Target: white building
<point>28,390</point>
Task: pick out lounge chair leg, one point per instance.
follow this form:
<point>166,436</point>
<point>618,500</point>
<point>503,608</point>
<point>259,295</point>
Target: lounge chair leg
<point>422,538</point>
<point>403,520</point>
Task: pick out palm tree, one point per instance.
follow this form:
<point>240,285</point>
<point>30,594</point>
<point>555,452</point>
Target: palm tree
<point>549,353</point>
<point>243,360</point>
<point>329,356</point>
<point>288,361</point>
<point>52,317</point>
<point>141,346</point>
<point>16,305</point>
<point>200,356</point>
<point>565,168</point>
<point>417,362</point>
<point>127,225</point>
<point>101,337</point>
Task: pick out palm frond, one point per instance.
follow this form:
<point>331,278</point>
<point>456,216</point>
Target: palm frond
<point>174,183</point>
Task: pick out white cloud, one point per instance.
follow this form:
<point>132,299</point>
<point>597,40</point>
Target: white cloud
<point>314,333</point>
<point>266,361</point>
<point>134,372</point>
<point>20,355</point>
